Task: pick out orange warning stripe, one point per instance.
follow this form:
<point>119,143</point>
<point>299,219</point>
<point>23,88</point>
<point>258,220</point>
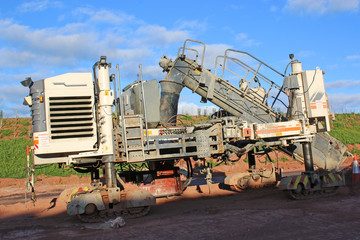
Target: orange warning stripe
<point>316,105</point>
<point>276,130</point>
<point>295,180</point>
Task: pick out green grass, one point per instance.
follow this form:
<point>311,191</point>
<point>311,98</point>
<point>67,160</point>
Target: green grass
<point>284,159</point>
<point>346,128</point>
<point>5,122</point>
<point>189,120</point>
<point>213,163</point>
<point>24,122</point>
<point>13,157</point>
<point>356,151</point>
<point>267,159</point>
<point>13,161</point>
<point>6,132</point>
<point>54,170</point>
<point>23,132</point>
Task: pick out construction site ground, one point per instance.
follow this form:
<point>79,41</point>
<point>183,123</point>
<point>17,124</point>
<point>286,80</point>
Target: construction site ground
<point>223,214</point>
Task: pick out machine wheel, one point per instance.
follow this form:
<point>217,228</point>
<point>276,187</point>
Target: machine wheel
<point>137,212</point>
<point>298,193</point>
<point>91,215</point>
<point>101,216</point>
<point>241,184</point>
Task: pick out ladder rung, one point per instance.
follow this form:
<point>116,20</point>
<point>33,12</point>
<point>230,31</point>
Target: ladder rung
<point>133,126</point>
<point>134,149</point>
<point>129,138</point>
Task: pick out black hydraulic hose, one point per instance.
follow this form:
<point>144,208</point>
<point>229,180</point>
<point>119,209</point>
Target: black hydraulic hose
<point>189,174</point>
<point>188,162</point>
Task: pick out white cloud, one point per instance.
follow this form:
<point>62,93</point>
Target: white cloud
<point>50,46</point>
<point>336,85</point>
<point>39,5</point>
<point>159,36</point>
<point>243,39</point>
<point>322,6</point>
<point>153,72</point>
<point>193,109</point>
<point>67,45</point>
<point>193,25</point>
<point>11,79</point>
<point>212,51</point>
<point>11,58</point>
<point>305,53</point>
<point>236,7</point>
<point>343,84</point>
<point>353,57</point>
<point>11,99</point>
<point>274,8</point>
<point>344,102</point>
<point>123,38</point>
<point>16,110</point>
<point>104,16</point>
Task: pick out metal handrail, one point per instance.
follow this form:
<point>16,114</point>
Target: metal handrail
<point>245,66</point>
<point>121,103</point>
<point>190,49</point>
<point>144,107</point>
<point>203,52</point>
<point>250,69</point>
<point>237,51</point>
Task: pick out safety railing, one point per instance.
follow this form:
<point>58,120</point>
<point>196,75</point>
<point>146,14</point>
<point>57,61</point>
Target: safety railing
<point>183,48</point>
<point>260,80</point>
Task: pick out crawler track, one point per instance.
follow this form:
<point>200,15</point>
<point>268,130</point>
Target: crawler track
<point>105,215</point>
<point>301,194</point>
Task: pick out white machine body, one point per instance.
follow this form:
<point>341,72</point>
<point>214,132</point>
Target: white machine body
<point>68,117</point>
<point>307,97</point>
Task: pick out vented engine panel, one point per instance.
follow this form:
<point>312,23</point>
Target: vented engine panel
<point>69,118</point>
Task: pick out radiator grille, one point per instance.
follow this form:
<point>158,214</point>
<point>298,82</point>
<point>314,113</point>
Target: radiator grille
<point>71,117</point>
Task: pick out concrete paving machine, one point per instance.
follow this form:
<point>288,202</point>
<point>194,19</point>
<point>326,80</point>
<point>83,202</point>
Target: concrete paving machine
<point>129,143</point>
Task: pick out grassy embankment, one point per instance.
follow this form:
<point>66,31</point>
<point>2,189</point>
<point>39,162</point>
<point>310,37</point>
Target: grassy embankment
<point>14,137</point>
<point>346,128</point>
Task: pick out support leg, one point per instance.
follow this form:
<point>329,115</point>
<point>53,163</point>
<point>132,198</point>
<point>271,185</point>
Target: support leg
<point>309,164</point>
<point>308,157</point>
<point>110,174</point>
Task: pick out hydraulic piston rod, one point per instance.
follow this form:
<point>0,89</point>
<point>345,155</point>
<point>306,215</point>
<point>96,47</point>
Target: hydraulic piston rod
<point>308,157</point>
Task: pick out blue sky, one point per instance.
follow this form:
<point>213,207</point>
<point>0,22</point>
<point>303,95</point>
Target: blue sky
<point>43,38</point>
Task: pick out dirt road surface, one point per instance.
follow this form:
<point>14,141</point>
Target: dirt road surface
<point>223,214</point>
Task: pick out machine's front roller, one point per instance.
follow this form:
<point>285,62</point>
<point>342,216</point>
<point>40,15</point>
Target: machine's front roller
<point>307,186</point>
<point>99,205</point>
<point>311,183</point>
